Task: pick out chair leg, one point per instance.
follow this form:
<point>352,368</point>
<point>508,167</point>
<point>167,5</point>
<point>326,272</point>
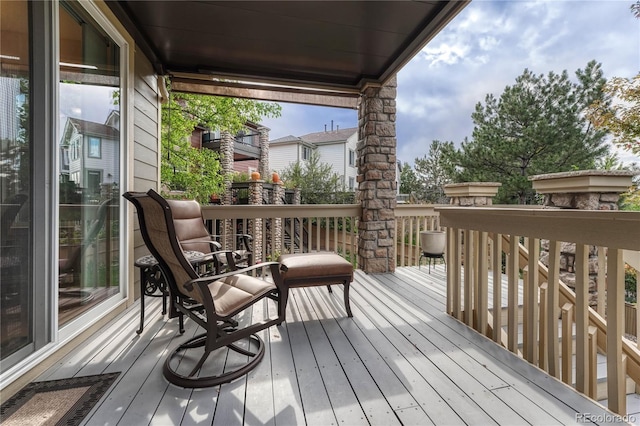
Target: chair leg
<point>282,304</point>
<point>346,298</point>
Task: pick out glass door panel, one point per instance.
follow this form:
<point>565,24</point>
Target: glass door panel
<point>89,153</point>
<point>16,283</point>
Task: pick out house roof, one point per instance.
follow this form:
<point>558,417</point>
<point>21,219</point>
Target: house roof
<point>329,136</point>
<point>285,139</point>
<point>95,129</point>
<point>342,46</point>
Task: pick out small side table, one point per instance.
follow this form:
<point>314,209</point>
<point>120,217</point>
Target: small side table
<point>153,282</point>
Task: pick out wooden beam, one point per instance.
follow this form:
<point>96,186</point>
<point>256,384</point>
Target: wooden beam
<point>266,93</point>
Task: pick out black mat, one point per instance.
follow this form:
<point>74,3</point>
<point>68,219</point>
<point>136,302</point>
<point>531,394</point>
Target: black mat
<point>97,386</point>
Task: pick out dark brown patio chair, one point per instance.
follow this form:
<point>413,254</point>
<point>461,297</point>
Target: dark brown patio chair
<point>221,297</point>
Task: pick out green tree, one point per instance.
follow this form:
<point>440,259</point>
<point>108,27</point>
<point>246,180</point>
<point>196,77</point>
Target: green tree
<point>408,180</point>
<point>195,171</point>
<point>434,170</point>
<point>537,126</point>
<point>317,182</point>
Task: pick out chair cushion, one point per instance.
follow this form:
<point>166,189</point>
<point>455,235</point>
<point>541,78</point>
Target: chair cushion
<point>234,293</point>
<point>314,265</point>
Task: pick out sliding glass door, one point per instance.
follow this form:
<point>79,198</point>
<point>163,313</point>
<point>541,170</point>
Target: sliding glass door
<point>60,173</point>
<point>89,166</point>
<point>16,149</point>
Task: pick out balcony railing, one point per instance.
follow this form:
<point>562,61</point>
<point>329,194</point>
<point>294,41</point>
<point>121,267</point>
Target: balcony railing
<point>483,241</point>
<point>307,228</point>
<point>288,228</point>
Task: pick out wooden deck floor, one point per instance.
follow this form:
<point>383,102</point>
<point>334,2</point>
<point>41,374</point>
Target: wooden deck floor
<point>399,360</point>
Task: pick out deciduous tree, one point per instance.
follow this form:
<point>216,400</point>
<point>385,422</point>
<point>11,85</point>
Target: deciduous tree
<point>195,171</point>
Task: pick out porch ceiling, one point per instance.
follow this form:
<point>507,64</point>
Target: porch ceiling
<point>341,45</point>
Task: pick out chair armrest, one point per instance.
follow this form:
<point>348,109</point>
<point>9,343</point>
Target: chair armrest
<point>273,266</point>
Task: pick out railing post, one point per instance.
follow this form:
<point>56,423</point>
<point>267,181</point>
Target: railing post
<point>276,232</point>
<point>255,197</point>
<point>226,164</point>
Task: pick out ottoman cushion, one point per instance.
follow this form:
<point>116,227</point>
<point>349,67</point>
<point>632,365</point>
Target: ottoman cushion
<point>314,265</point>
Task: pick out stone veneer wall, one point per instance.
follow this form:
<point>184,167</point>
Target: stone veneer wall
<point>263,167</point>
<point>255,229</point>
<point>580,190</point>
<point>376,162</point>
<point>226,164</point>
<point>578,201</point>
<point>278,194</point>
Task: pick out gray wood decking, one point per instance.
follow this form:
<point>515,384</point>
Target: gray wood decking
<point>399,360</point>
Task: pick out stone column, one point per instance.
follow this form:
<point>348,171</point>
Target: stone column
<point>580,190</point>
<point>297,196</point>
<point>255,198</point>
<point>263,166</point>
<point>471,194</point>
<point>278,193</point>
<point>226,164</point>
<point>376,163</point>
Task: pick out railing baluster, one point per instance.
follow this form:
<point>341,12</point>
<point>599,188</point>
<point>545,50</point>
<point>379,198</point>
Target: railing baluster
<point>542,329</point>
<point>593,363</point>
<point>335,234</point>
<point>567,343</point>
<point>553,347</point>
<point>615,329</point>
<point>453,271</point>
<point>468,277</point>
<point>402,242</point>
<point>582,317</point>
<point>483,286</point>
<point>512,293</point>
<point>497,288</point>
<point>602,272</point>
<point>531,303</point>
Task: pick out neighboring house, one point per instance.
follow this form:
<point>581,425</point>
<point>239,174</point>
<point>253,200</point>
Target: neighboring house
<point>88,151</point>
<point>336,148</point>
<point>246,146</point>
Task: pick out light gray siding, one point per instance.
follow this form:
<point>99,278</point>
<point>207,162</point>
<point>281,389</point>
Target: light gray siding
<point>281,156</point>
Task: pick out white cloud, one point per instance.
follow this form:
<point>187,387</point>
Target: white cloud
<point>483,50</point>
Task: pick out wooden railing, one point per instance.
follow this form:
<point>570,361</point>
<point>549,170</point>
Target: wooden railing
<point>410,220</point>
<point>473,263</point>
<point>289,228</point>
<point>308,228</point>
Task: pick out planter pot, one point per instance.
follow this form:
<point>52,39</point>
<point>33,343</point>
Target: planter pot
<point>433,242</point>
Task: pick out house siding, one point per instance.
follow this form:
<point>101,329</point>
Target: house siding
<point>146,143</point>
<point>281,156</point>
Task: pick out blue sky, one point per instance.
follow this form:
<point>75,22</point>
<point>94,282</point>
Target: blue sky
<point>481,51</point>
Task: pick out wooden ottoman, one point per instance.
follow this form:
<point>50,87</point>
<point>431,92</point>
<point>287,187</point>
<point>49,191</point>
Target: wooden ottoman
<point>313,269</point>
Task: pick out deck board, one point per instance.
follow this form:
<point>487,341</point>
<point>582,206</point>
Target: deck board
<point>400,360</point>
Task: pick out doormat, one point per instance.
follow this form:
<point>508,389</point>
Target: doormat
<point>55,402</point>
